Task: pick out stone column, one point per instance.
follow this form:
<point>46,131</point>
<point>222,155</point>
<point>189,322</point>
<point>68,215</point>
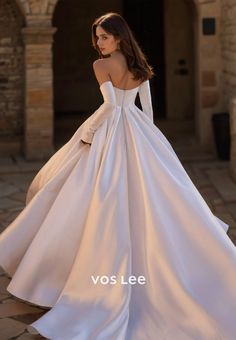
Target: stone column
<point>233,138</point>
<point>38,141</point>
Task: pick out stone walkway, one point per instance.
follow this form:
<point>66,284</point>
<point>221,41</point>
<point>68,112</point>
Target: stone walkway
<point>210,176</point>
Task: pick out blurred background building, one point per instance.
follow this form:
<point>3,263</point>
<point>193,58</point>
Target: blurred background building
<point>47,85</point>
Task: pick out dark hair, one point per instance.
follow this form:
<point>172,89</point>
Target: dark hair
<point>113,23</point>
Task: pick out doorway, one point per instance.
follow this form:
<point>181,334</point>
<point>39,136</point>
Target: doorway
<point>146,20</point>
<point>179,51</point>
<point>165,31</point>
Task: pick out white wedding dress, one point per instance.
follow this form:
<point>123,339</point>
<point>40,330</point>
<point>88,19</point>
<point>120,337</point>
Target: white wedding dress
<point>122,206</point>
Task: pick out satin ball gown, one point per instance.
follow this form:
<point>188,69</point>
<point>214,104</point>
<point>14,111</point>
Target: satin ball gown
<point>121,208</point>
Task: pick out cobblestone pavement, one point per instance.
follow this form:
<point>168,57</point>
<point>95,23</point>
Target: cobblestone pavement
<point>210,175</point>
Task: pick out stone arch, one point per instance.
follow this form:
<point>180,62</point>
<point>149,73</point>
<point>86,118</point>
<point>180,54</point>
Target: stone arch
<point>22,7</point>
<point>36,7</point>
<point>196,4</point>
<point>39,30</point>
<point>48,6</point>
<point>75,90</point>
<point>52,5</point>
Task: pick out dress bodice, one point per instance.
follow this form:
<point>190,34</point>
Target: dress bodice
<point>117,96</point>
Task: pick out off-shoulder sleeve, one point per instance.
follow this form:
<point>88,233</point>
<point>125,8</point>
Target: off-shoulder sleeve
<point>146,99</point>
<point>101,114</point>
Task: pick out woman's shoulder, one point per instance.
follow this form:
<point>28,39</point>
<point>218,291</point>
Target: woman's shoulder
<point>108,62</point>
<point>100,64</point>
<point>101,70</point>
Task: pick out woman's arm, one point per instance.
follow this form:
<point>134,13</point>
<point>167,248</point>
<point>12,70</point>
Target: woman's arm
<point>146,99</point>
<point>101,72</point>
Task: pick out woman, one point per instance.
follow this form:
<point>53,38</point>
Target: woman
<point>115,238</point>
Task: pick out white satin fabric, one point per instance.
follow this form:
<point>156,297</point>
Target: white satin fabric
<point>122,206</point>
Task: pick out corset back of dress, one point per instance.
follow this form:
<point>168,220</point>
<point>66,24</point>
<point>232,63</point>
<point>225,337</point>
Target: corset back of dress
<point>118,96</point>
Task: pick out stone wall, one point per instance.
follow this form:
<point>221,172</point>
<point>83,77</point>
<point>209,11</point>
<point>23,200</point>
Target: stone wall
<point>11,69</point>
<point>228,43</point>
<point>210,68</point>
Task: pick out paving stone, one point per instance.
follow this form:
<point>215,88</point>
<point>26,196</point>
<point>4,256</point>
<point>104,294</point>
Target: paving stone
<point>6,161</point>
<point>224,184</point>
<point>7,189</point>
<point>220,208</point>
<point>233,239</point>
<point>188,168</point>
<point>6,203</point>
<point>19,180</point>
<point>19,196</point>
<point>20,160</point>
<point>232,209</point>
<point>16,308</point>
<point>11,168</point>
<point>3,214</point>
<point>2,271</point>
<point>29,318</point>
<point>6,223</point>
<point>227,218</point>
<point>10,328</point>
<point>199,176</point>
<point>4,296</point>
<point>8,217</point>
<point>2,227</point>
<point>232,232</point>
<point>27,336</point>
<point>9,300</point>
<point>16,209</point>
<point>4,282</point>
<point>212,164</point>
<point>217,201</point>
<point>19,165</point>
<point>187,155</point>
<point>32,167</point>
<point>210,193</point>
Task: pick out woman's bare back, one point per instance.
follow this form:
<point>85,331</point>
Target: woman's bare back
<point>120,76</point>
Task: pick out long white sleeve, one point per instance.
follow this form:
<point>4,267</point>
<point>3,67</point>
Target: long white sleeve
<point>145,99</point>
<point>101,114</point>
<point>95,120</point>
